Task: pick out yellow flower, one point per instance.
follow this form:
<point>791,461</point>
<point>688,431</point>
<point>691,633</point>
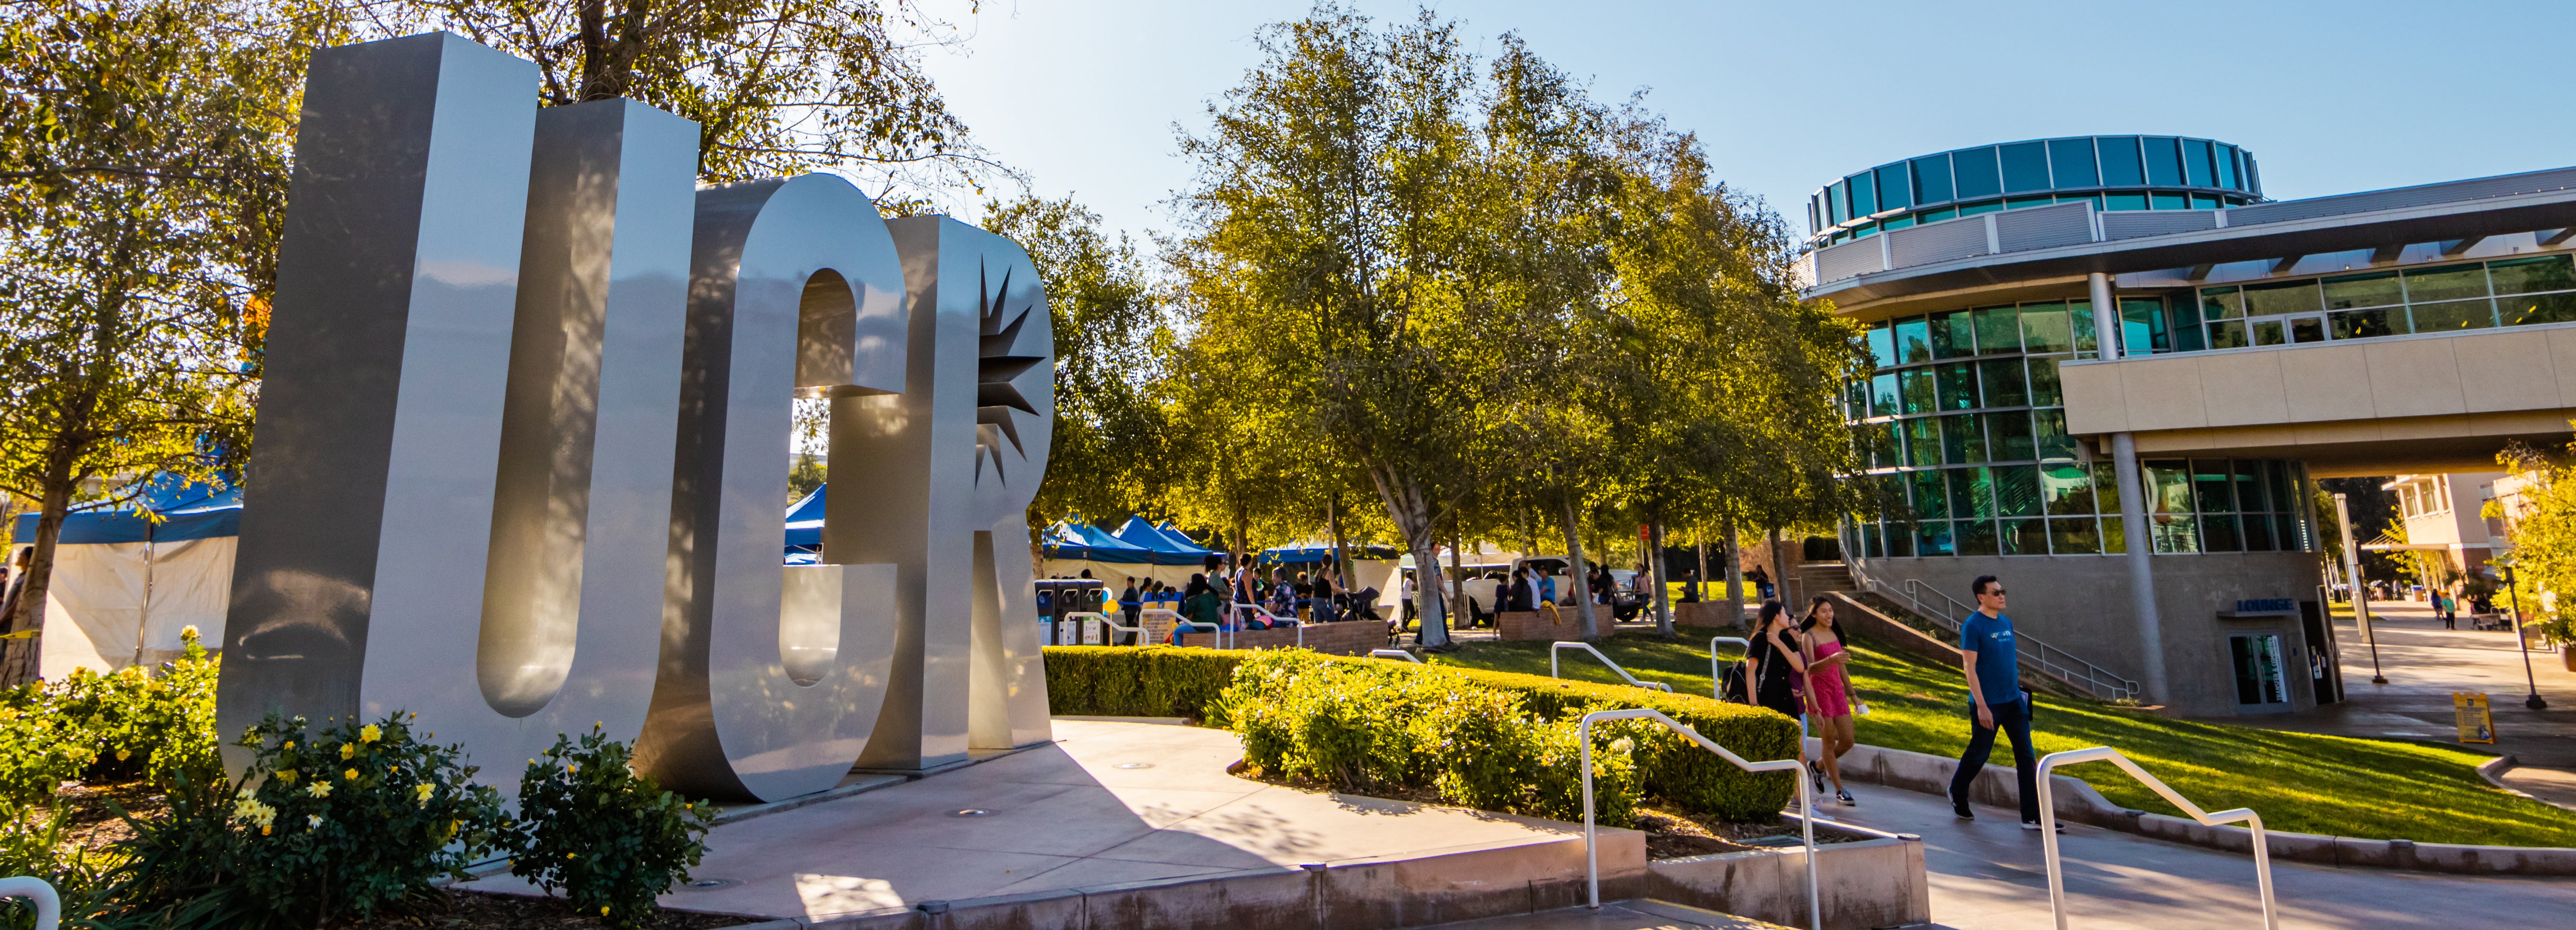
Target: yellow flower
<point>320,789</point>
<point>290,744</point>
<point>263,829</point>
<point>572,767</point>
<point>350,774</point>
<point>572,855</point>
<point>286,775</point>
<point>603,910</point>
<point>423,790</point>
<point>348,750</point>
<point>370,733</point>
<point>124,754</point>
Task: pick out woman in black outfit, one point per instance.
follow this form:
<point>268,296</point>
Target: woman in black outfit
<point>1777,668</point>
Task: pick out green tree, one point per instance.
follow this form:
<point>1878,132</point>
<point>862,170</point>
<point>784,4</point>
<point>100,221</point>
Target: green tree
<point>1109,457</point>
<point>2543,522</point>
<point>1323,234</point>
<point>142,179</point>
<point>778,87</point>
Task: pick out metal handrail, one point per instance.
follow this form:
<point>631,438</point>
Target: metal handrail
<point>1138,629</point>
<point>1223,641</point>
<point>1806,802</point>
<point>1717,677</point>
<point>2034,653</point>
<point>2048,827</point>
<point>1395,654</point>
<point>1553,648</point>
<point>1274,620</point>
<point>49,906</point>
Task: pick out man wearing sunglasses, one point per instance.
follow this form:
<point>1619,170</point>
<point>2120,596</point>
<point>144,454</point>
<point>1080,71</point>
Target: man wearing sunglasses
<point>1988,654</point>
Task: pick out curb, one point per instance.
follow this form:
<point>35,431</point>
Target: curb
<point>2079,802</point>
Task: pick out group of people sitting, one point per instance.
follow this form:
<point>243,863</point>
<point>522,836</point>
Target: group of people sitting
<point>1241,598</point>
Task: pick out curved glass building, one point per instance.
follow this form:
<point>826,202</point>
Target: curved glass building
<point>2109,371</point>
<point>2110,172</point>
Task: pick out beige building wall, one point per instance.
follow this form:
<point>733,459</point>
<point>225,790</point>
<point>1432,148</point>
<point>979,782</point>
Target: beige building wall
<point>2431,403</point>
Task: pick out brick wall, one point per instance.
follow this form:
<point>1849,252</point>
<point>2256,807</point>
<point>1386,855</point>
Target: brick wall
<point>1351,638</point>
<point>1534,624</point>
<point>1708,613</point>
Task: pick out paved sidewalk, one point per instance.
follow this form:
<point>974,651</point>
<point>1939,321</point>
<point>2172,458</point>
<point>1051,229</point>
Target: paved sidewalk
<point>1109,802</point>
<point>1987,875</point>
<point>2424,664</point>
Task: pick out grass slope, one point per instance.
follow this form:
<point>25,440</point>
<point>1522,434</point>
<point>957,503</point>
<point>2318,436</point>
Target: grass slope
<point>2299,782</point>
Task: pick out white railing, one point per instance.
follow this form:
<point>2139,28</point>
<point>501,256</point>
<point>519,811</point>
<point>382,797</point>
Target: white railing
<point>1224,638</point>
<point>1113,625</point>
<point>1806,801</point>
<point>49,906</point>
<point>1395,654</point>
<point>2048,827</point>
<point>2034,654</point>
<point>1716,673</point>
<point>1554,648</point>
<point>1274,620</point>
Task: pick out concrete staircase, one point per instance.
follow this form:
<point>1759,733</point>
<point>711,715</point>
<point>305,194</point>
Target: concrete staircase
<point>1816,578</point>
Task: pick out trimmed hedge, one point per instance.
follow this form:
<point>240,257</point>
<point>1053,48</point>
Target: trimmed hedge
<point>1175,682</point>
<point>1132,681</point>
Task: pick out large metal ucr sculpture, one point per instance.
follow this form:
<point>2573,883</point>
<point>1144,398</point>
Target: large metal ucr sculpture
<point>524,438</point>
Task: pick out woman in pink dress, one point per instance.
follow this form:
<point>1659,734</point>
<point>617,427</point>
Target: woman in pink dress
<point>1828,690</point>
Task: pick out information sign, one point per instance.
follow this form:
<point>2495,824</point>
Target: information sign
<point>2476,719</point>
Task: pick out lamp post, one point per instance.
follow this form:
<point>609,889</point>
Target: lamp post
<point>2504,573</point>
<point>2360,597</point>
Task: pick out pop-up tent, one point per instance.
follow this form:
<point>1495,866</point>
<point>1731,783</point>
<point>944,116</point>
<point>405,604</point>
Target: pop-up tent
<point>1070,547</point>
<point>123,586</point>
<point>805,524</point>
<point>1169,545</point>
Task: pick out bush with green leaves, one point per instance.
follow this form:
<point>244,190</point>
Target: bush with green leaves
<point>611,838</point>
<point>39,747</point>
<point>1361,726</point>
<point>147,723</point>
<point>328,823</point>
<point>1171,682</point>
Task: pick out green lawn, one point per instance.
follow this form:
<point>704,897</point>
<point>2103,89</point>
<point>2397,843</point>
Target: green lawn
<point>2299,782</point>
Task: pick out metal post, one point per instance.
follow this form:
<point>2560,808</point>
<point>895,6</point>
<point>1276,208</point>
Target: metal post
<point>2360,594</point>
<point>2142,569</point>
<point>2535,702</point>
<point>2106,317</point>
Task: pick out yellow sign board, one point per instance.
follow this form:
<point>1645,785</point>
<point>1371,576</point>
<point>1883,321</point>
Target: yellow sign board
<point>2476,719</point>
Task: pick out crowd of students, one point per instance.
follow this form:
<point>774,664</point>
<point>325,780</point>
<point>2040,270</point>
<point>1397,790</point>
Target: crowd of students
<point>1226,597</point>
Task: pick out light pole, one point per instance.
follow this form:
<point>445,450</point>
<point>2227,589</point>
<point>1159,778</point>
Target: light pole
<point>2504,573</point>
<point>2360,597</point>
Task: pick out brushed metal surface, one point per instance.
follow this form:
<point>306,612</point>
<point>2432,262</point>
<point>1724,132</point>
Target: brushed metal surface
<point>794,287</point>
<point>572,598</point>
<point>366,521</point>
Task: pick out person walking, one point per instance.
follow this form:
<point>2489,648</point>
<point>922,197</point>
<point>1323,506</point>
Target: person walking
<point>1992,661</point>
<point>1775,667</point>
<point>1828,691</point>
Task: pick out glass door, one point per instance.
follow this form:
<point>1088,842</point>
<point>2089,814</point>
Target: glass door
<point>2261,675</point>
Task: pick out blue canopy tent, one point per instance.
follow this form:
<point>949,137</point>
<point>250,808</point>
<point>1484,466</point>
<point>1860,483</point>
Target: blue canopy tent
<point>124,586</point>
<point>1169,546</point>
<point>1317,553</point>
<point>805,524</point>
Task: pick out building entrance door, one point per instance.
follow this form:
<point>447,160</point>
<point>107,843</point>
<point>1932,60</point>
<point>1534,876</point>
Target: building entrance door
<point>2321,652</point>
<point>2262,672</point>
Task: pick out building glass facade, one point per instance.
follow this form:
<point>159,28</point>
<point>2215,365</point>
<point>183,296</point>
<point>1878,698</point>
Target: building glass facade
<point>2113,172</point>
<point>1968,450</point>
<point>2520,291</point>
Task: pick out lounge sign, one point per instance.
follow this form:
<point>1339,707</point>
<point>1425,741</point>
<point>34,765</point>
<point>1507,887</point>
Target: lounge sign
<point>523,444</point>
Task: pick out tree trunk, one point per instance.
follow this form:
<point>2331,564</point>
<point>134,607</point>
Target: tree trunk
<point>1663,592</point>
<point>1699,537</point>
<point>1582,575</point>
<point>1734,572</point>
<point>1341,553</point>
<point>1457,569</point>
<point>1779,571</point>
<point>1412,516</point>
<point>21,662</point>
<point>1242,535</point>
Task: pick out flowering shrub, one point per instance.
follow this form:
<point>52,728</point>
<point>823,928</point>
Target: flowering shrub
<point>109,727</point>
<point>612,839</point>
<point>330,823</point>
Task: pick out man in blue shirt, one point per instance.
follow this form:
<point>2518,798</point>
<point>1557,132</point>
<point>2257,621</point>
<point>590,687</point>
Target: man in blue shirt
<point>1988,654</point>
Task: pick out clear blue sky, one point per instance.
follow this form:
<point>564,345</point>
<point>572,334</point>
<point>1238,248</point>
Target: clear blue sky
<point>2332,97</point>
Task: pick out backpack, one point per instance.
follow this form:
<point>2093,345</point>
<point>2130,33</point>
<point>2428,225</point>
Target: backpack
<point>1730,684</point>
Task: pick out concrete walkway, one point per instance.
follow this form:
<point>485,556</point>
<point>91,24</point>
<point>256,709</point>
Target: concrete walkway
<point>1987,875</point>
<point>2424,664</point>
<point>1109,803</point>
